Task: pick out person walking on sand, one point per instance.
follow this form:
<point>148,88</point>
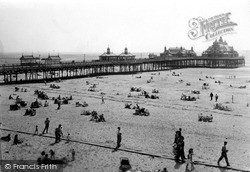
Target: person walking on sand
<point>68,138</point>
<point>223,154</point>
<point>103,100</point>
<point>180,150</point>
<point>190,164</point>
<point>119,138</point>
<point>216,97</point>
<point>46,128</point>
<point>36,131</point>
<point>59,105</point>
<point>211,96</point>
<point>73,153</point>
<point>58,133</point>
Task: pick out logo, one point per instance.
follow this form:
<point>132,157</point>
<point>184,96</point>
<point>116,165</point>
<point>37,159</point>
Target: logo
<point>210,28</point>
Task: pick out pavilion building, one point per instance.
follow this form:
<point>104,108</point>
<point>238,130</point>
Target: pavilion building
<point>126,55</point>
<point>29,60</point>
<point>108,56</point>
<point>52,59</point>
<point>177,52</point>
<point>220,49</point>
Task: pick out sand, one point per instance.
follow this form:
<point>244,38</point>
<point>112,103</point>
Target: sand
<point>152,134</point>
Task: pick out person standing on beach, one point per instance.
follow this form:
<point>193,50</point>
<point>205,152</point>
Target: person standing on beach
<point>68,138</point>
<point>211,96</point>
<point>59,105</point>
<point>73,154</point>
<point>102,100</point>
<point>36,131</point>
<point>180,150</point>
<point>190,164</point>
<point>216,97</point>
<point>58,133</point>
<point>119,138</point>
<point>46,128</point>
<point>223,154</point>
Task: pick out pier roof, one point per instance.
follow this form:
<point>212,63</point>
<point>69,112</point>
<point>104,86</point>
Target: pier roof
<point>126,53</point>
<point>26,57</point>
<point>108,53</point>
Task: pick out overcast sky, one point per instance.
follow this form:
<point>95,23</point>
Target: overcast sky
<point>89,26</point>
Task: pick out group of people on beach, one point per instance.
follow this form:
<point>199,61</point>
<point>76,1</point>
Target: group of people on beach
<point>46,128</point>
<point>45,159</point>
<point>180,153</point>
<point>212,95</point>
<point>16,141</point>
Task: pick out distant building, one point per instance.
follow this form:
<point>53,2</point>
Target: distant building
<point>29,60</point>
<point>178,52</point>
<point>108,56</point>
<point>152,55</point>
<point>52,59</point>
<point>220,49</point>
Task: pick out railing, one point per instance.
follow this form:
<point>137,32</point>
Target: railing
<point>125,62</point>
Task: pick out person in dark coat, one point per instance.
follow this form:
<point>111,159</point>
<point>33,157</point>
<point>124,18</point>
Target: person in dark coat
<point>46,128</point>
<point>119,138</point>
<point>36,131</point>
<point>57,135</point>
<point>211,96</point>
<point>180,149</point>
<point>216,97</point>
<point>223,154</point>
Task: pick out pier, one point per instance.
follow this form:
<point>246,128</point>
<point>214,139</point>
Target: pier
<point>18,74</point>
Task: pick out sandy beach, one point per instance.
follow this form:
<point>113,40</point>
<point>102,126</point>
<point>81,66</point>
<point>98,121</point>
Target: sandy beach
<point>152,134</point>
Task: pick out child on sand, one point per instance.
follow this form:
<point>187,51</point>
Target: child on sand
<point>52,154</point>
<point>36,131</point>
<point>190,165</point>
<point>68,138</point>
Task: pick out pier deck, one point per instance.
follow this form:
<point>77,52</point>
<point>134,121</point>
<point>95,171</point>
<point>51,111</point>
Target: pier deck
<point>16,73</point>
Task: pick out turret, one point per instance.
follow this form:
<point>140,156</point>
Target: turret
<point>126,51</point>
<point>108,50</point>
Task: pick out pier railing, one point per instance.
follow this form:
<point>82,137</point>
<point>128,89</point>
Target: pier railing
<point>66,70</point>
<point>5,67</point>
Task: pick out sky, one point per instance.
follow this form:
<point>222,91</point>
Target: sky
<point>90,26</point>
